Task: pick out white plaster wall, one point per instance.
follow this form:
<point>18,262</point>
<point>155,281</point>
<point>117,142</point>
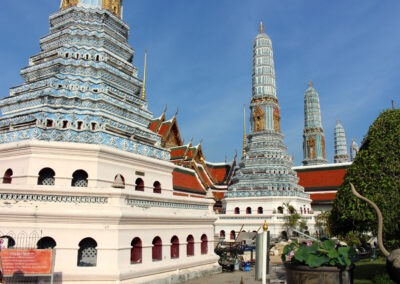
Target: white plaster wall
<point>112,224</point>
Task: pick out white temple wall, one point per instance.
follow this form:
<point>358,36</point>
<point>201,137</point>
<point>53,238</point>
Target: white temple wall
<point>112,217</point>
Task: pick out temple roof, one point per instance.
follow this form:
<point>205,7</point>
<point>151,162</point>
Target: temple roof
<point>322,181</point>
<point>187,181</point>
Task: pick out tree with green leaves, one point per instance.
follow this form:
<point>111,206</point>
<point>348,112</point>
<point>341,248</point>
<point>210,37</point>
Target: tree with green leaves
<point>375,174</point>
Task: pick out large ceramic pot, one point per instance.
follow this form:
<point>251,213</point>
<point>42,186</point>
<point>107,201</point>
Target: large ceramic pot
<point>300,274</point>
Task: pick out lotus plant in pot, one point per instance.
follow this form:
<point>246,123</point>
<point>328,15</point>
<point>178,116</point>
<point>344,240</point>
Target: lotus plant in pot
<point>318,262</point>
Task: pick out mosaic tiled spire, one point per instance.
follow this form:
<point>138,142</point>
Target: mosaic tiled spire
<point>266,167</point>
<point>341,155</point>
<point>353,149</point>
<point>82,87</point>
<point>313,134</point>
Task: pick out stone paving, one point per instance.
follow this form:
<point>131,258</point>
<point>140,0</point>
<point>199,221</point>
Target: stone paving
<point>277,275</point>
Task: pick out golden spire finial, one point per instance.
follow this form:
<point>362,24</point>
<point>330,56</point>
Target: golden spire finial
<point>144,75</point>
<point>338,121</point>
<point>261,27</point>
<point>265,227</point>
<point>310,83</point>
<point>244,127</point>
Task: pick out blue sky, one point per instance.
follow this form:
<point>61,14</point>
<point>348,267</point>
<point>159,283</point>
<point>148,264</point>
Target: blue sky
<point>200,52</point>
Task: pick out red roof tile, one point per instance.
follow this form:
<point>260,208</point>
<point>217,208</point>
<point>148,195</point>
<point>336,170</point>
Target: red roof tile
<point>164,127</point>
<point>323,196</point>
<point>184,180</point>
<point>153,125</point>
<point>220,173</point>
<point>318,178</point>
<point>177,152</point>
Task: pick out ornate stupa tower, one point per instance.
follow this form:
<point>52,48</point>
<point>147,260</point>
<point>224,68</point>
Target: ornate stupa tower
<point>353,149</point>
<point>313,135</point>
<point>265,178</point>
<point>82,87</point>
<point>341,155</point>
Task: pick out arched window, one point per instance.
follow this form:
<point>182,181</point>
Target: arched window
<point>233,235</point>
<point>46,243</point>
<point>157,187</point>
<point>139,184</point>
<point>260,210</point>
<point>175,247</point>
<point>79,179</point>
<point>11,241</point>
<point>308,210</point>
<point>190,246</point>
<point>204,244</point>
<point>280,210</point>
<point>136,251</point>
<point>157,249</point>
<point>237,210</point>
<point>248,210</point>
<point>119,181</point>
<point>46,177</point>
<point>7,178</point>
<point>301,210</point>
<point>222,234</point>
<point>87,253</point>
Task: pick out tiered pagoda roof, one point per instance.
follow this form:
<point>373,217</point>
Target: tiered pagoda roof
<point>193,175</point>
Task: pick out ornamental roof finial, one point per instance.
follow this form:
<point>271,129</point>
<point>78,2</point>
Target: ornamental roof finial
<point>338,121</point>
<point>144,76</point>
<point>261,27</point>
<point>265,227</point>
<point>310,83</point>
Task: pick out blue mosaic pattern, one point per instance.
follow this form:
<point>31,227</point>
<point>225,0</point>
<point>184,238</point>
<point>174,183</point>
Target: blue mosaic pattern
<point>263,193</point>
<point>82,87</point>
<point>88,137</point>
<point>147,203</point>
<point>53,198</point>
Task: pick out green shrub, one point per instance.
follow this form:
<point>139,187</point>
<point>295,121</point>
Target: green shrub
<point>375,174</point>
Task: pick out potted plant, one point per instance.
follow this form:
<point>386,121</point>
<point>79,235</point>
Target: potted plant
<point>318,262</point>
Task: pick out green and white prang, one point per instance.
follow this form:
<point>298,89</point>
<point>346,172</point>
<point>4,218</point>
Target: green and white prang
<point>313,134</point>
<point>263,67</point>
<point>341,155</point>
<point>265,168</point>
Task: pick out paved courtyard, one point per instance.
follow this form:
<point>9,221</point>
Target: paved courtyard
<point>277,275</point>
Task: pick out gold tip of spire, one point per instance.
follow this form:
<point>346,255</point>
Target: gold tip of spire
<point>144,75</point>
<point>265,227</point>
<point>338,121</point>
<point>261,27</point>
<point>310,83</point>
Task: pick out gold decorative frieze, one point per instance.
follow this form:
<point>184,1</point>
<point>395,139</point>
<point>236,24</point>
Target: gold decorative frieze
<point>264,99</point>
<point>277,120</point>
<point>68,3</point>
<point>259,119</point>
<point>114,6</point>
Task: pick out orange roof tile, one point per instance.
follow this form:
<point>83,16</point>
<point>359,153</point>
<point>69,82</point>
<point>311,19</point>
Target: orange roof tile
<point>177,152</point>
<point>164,127</point>
<point>220,173</point>
<point>153,125</point>
<point>323,196</point>
<point>321,178</point>
<point>184,180</point>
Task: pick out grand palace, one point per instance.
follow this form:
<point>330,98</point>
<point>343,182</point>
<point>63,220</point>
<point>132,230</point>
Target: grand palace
<point>89,170</point>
